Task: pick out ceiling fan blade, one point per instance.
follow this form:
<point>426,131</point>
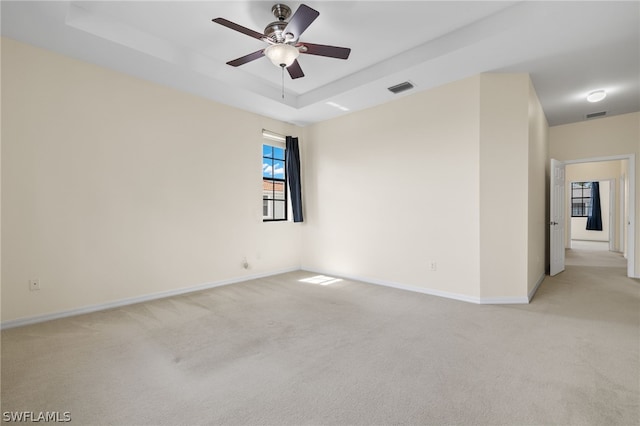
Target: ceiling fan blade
<point>247,58</point>
<point>295,71</point>
<point>301,20</point>
<point>324,50</point>
<point>238,28</point>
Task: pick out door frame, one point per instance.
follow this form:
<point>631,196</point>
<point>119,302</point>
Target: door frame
<point>613,217</point>
<point>631,233</point>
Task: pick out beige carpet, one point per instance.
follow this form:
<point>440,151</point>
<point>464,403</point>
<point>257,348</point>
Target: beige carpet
<point>280,351</point>
<point>593,253</point>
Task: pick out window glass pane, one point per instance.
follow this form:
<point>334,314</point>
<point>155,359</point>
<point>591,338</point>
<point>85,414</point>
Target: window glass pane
<point>267,151</point>
<point>279,210</point>
<point>267,188</point>
<point>278,153</point>
<point>278,169</point>
<point>279,191</point>
<point>267,168</point>
<point>267,209</point>
<point>575,209</point>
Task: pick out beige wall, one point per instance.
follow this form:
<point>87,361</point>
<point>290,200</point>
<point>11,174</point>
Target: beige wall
<point>513,157</point>
<point>503,184</point>
<point>538,191</point>
<point>114,188</point>
<point>393,188</point>
<point>440,176</point>
<point>603,137</point>
<point>600,137</point>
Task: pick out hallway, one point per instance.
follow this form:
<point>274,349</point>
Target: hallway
<point>593,253</point>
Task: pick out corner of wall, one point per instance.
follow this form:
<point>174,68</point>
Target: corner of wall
<point>538,191</point>
<point>504,183</point>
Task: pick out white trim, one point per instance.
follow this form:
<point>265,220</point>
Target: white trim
<point>534,290</point>
<point>133,300</point>
<point>428,291</point>
<point>621,189</point>
<point>503,301</point>
<point>599,159</point>
<point>612,214</point>
<point>631,231</point>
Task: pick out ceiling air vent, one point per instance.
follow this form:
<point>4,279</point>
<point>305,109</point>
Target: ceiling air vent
<point>596,114</point>
<point>400,87</point>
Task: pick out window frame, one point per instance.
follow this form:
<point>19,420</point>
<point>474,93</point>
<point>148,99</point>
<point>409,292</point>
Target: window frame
<point>271,201</point>
<point>582,202</point>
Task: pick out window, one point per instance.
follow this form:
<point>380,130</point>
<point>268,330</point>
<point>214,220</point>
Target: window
<point>274,183</point>
<point>580,199</point>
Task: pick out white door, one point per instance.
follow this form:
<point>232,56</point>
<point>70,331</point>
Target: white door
<point>612,215</point>
<point>557,219</point>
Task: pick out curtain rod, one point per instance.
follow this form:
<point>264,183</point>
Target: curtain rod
<point>268,134</point>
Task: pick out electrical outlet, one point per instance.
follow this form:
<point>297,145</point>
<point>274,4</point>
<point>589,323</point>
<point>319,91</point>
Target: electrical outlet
<point>433,266</point>
<point>34,285</point>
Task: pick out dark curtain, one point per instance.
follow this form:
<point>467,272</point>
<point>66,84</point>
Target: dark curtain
<point>594,221</point>
<point>293,176</point>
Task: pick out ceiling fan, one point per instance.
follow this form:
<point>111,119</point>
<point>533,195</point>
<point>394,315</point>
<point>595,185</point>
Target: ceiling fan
<point>283,39</point>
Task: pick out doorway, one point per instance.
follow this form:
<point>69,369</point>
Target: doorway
<point>582,181</point>
<point>594,253</point>
<point>617,175</point>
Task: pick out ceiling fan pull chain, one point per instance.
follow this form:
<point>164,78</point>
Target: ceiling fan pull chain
<point>282,81</point>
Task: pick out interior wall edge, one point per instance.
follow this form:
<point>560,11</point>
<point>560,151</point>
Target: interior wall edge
<point>535,288</point>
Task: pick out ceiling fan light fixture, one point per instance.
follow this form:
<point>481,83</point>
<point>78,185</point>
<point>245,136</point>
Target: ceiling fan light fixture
<point>596,96</point>
<point>281,55</point>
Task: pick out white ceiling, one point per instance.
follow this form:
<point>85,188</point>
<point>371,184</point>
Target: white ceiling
<point>569,48</point>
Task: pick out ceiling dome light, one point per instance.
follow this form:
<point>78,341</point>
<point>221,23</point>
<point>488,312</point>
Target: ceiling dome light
<point>596,96</point>
<point>282,55</point>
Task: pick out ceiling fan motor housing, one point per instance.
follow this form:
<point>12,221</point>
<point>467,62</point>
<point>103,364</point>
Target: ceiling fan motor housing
<point>281,11</point>
<point>275,30</point>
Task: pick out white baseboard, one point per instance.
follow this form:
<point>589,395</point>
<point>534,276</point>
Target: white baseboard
<point>535,288</point>
<point>160,295</point>
<point>503,301</point>
<point>133,300</point>
<point>431,292</point>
